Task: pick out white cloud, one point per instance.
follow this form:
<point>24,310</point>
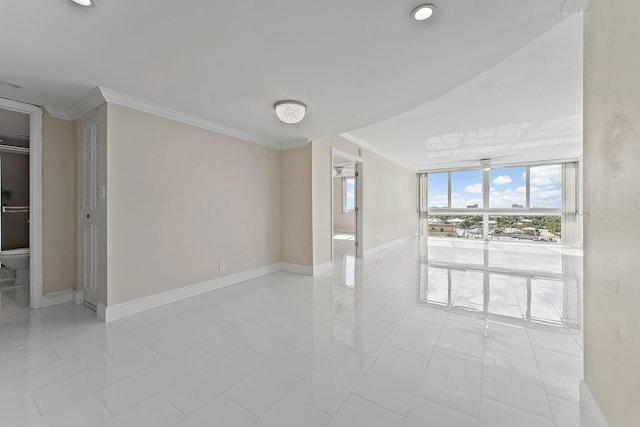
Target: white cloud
<point>546,175</point>
<point>545,197</point>
<point>474,188</point>
<point>507,198</point>
<point>463,202</point>
<point>502,180</point>
<point>438,200</point>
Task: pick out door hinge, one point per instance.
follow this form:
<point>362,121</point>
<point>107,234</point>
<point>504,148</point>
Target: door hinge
<point>357,244</point>
<point>356,209</point>
<point>357,174</point>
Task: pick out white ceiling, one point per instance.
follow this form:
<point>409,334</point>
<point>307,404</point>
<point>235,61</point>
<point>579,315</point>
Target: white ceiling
<point>354,63</point>
<point>527,108</point>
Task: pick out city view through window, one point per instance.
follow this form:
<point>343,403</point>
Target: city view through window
<point>500,227</point>
<point>521,203</point>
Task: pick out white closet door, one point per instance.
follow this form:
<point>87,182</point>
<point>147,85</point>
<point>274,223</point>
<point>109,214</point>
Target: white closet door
<point>90,213</point>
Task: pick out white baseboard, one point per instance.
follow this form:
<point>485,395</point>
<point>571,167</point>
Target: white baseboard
<point>387,245</point>
<point>296,268</point>
<point>118,311</point>
<point>589,409</point>
<point>78,297</point>
<point>55,299</point>
<point>321,268</point>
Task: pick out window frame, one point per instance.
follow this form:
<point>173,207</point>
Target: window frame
<point>527,209</point>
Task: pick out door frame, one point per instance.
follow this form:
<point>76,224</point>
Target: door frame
<point>35,196</point>
<point>359,163</point>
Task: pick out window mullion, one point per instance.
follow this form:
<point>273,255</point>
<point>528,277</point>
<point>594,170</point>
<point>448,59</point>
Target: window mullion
<point>449,191</point>
<point>528,187</point>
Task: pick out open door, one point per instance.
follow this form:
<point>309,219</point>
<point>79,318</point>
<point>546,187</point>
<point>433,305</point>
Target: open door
<point>346,222</point>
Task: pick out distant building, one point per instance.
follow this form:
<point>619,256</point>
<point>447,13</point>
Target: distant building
<point>515,205</point>
<point>444,229</point>
<point>472,206</point>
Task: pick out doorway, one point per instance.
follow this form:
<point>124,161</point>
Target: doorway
<point>27,143</point>
<point>346,204</point>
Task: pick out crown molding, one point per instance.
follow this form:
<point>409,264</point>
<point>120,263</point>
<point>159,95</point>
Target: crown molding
<point>58,114</point>
<point>114,97</point>
<point>99,95</point>
<point>80,108</point>
<point>364,144</point>
<point>86,104</point>
<point>294,144</point>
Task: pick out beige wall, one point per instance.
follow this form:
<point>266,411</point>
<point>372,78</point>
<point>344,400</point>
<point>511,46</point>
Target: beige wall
<point>296,217</point>
<point>341,221</point>
<point>389,198</point>
<point>612,205</point>
<point>58,215</point>
<point>181,199</point>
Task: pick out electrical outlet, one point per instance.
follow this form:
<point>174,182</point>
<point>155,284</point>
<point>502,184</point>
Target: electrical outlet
<point>222,264</point>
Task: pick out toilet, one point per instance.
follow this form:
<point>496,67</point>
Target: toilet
<point>18,259</point>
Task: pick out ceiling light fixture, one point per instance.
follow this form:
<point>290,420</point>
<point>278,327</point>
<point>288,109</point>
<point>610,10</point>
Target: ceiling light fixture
<point>290,111</point>
<point>84,3</point>
<point>423,12</point>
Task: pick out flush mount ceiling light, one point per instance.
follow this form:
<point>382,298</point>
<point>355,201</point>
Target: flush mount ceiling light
<point>84,3</point>
<point>290,111</point>
<point>423,12</point>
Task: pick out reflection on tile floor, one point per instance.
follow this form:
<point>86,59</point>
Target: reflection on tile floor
<point>456,333</point>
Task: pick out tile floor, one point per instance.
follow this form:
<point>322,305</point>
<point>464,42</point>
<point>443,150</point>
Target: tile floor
<point>453,333</point>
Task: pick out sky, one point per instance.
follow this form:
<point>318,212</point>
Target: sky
<point>507,186</point>
<point>350,187</point>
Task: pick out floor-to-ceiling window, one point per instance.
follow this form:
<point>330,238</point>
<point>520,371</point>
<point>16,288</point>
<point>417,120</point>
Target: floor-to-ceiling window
<point>520,203</point>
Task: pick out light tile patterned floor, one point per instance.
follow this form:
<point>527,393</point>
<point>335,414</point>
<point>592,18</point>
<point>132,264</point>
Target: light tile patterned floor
<point>456,333</point>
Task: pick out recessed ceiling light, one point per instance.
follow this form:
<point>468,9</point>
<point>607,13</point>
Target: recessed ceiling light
<point>13,85</point>
<point>290,111</point>
<point>85,3</point>
<point>424,12</point>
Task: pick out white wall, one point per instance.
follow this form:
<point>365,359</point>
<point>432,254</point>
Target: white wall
<point>612,208</point>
